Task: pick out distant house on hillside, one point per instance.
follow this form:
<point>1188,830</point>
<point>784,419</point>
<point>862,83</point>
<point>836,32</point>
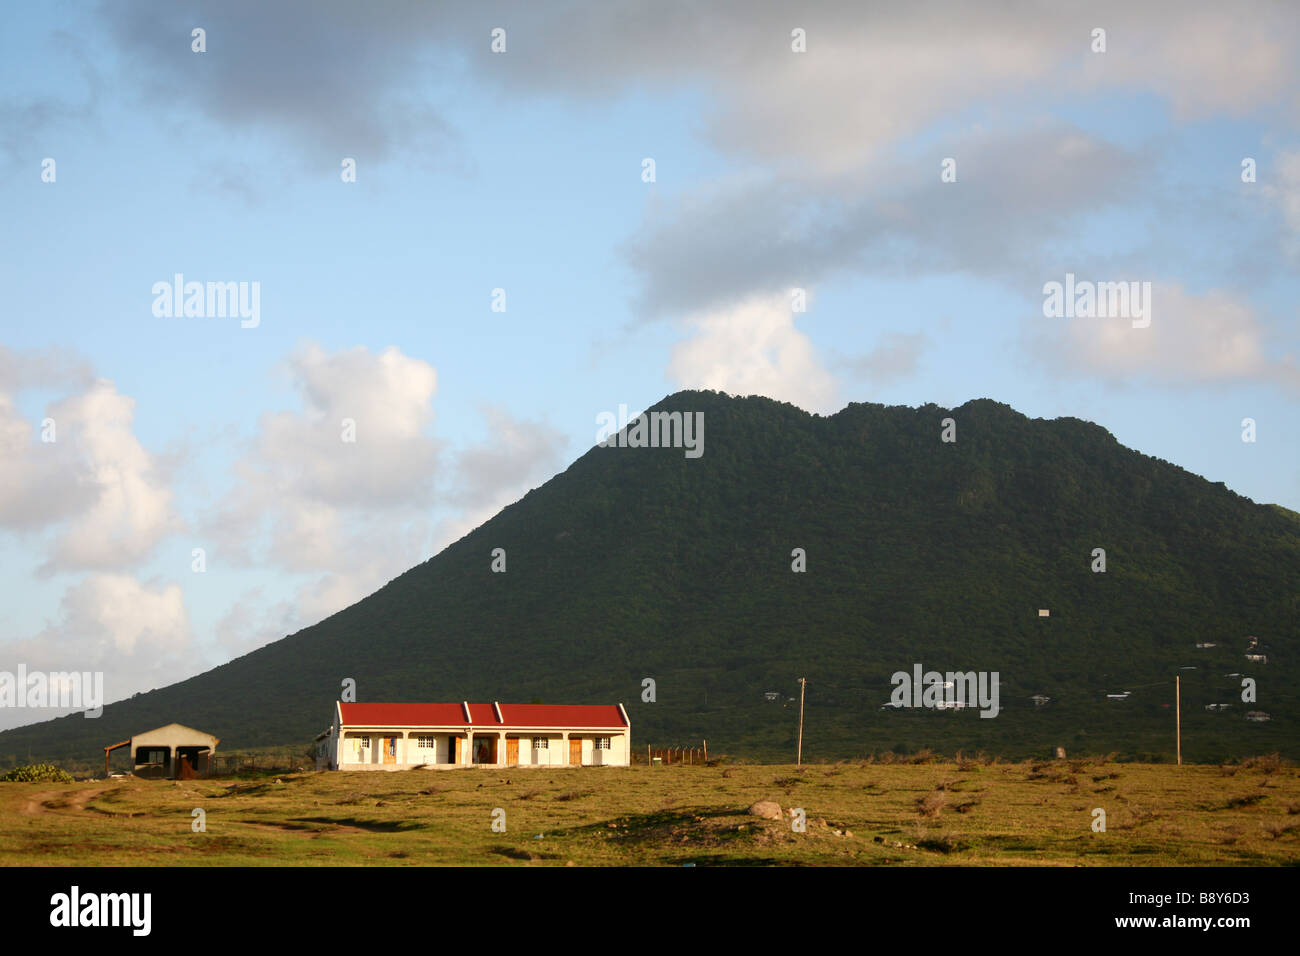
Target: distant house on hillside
<point>382,736</point>
<point>1040,699</point>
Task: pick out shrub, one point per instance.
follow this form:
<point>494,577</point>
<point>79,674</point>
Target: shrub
<point>1268,763</point>
<point>38,773</point>
<point>932,803</point>
<point>943,844</point>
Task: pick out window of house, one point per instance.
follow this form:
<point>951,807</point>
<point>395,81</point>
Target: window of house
<point>602,743</point>
<point>540,743</point>
<point>365,743</point>
<point>424,742</point>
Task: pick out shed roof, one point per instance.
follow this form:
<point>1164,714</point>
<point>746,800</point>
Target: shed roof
<point>174,735</point>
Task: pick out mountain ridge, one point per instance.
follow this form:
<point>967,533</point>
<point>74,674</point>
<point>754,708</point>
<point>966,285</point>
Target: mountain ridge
<point>637,563</point>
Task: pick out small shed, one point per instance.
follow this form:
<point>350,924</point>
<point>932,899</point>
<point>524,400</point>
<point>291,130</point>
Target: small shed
<point>171,752</point>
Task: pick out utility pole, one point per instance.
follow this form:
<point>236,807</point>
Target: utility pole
<point>1178,714</point>
<point>798,760</point>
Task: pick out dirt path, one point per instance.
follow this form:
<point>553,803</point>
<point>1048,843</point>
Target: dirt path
<point>38,803</point>
<point>306,832</point>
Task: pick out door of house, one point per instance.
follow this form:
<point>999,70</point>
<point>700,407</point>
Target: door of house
<point>575,751</point>
<point>512,750</point>
<point>390,749</point>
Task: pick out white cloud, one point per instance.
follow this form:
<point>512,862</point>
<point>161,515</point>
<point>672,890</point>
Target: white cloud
<point>895,357</point>
<point>307,500</point>
<point>1284,191</point>
<point>389,397</point>
<point>40,482</point>
<point>302,477</point>
<point>1029,185</point>
<point>133,509</point>
<point>514,452</point>
<point>137,634</point>
<point>251,623</point>
<point>873,74</point>
<point>347,517</point>
<point>43,367</point>
<point>515,456</point>
<point>94,484</point>
<point>1193,340</point>
<point>753,348</point>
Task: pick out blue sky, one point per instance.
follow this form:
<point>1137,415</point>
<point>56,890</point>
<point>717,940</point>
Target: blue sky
<point>522,170</point>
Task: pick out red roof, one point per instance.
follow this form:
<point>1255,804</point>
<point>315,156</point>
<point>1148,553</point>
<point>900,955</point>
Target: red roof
<point>562,715</point>
<point>484,715</point>
<point>403,714</point>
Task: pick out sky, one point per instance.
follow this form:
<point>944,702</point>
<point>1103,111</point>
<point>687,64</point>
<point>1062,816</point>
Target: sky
<point>561,208</point>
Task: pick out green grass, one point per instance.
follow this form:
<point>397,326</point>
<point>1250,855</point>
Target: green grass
<point>940,813</point>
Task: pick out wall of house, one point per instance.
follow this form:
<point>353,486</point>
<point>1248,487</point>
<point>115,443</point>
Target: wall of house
<point>415,754</point>
<point>546,757</point>
<point>173,736</point>
<point>350,751</point>
<point>325,752</point>
<point>409,754</point>
<point>615,756</point>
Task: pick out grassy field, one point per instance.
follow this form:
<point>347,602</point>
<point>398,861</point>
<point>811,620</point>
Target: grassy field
<point>964,812</point>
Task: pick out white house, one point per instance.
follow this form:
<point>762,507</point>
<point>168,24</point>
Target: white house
<point>382,736</point>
